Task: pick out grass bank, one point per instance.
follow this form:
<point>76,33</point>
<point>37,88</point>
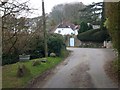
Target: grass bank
<point>112,69</point>
<point>9,73</point>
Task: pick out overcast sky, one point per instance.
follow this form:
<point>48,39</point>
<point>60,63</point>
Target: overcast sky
<point>49,4</point>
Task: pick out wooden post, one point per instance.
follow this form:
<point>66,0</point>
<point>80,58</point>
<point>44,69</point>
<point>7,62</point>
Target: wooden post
<point>44,29</point>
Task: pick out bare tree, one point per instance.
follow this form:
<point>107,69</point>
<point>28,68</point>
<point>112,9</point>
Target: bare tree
<point>14,26</point>
<point>67,12</point>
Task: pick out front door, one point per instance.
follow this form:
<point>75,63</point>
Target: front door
<point>72,42</point>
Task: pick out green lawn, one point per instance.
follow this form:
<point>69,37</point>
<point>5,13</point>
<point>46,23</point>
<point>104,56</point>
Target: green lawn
<point>10,79</point>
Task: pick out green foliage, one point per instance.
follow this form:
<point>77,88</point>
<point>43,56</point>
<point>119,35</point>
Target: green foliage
<point>116,66</point>
<point>90,27</point>
<point>10,58</point>
<point>64,53</point>
<point>112,10</point>
<point>96,35</point>
<point>36,46</point>
<point>55,43</point>
<point>83,27</point>
<point>10,80</point>
<point>112,24</point>
<point>91,13</point>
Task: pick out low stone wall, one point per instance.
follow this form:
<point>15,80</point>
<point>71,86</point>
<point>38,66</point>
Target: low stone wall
<point>107,44</point>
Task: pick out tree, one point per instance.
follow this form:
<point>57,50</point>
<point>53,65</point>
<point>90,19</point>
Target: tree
<point>10,22</point>
<point>57,13</point>
<point>67,12</point>
<point>91,13</point>
<point>71,12</point>
<point>112,14</point>
<point>15,37</point>
<point>12,30</point>
<point>83,27</point>
<point>90,27</point>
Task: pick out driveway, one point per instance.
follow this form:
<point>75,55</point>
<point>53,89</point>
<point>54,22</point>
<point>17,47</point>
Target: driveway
<point>82,69</point>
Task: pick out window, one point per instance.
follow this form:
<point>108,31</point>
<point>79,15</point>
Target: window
<point>59,31</point>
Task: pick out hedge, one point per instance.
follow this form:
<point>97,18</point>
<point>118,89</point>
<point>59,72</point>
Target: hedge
<point>94,35</point>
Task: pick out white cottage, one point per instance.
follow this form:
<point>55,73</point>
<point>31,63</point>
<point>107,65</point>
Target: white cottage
<point>68,29</point>
<point>96,26</point>
<point>64,31</point>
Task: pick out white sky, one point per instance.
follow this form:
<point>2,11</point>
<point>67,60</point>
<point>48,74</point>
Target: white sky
<point>49,4</point>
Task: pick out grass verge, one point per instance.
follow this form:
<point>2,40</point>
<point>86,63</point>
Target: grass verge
<point>9,72</point>
<point>112,69</point>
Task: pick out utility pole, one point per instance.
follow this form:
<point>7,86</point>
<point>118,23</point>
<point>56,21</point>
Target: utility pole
<point>44,29</point>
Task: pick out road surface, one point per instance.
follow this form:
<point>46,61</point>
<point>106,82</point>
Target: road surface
<point>84,68</point>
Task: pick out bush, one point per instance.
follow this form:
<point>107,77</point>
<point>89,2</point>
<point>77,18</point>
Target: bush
<point>83,27</point>
<point>36,48</point>
<point>94,35</point>
<point>55,43</point>
<point>113,19</point>
<point>9,58</point>
<point>116,66</point>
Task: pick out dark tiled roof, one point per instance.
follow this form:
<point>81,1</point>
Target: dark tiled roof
<point>66,25</point>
